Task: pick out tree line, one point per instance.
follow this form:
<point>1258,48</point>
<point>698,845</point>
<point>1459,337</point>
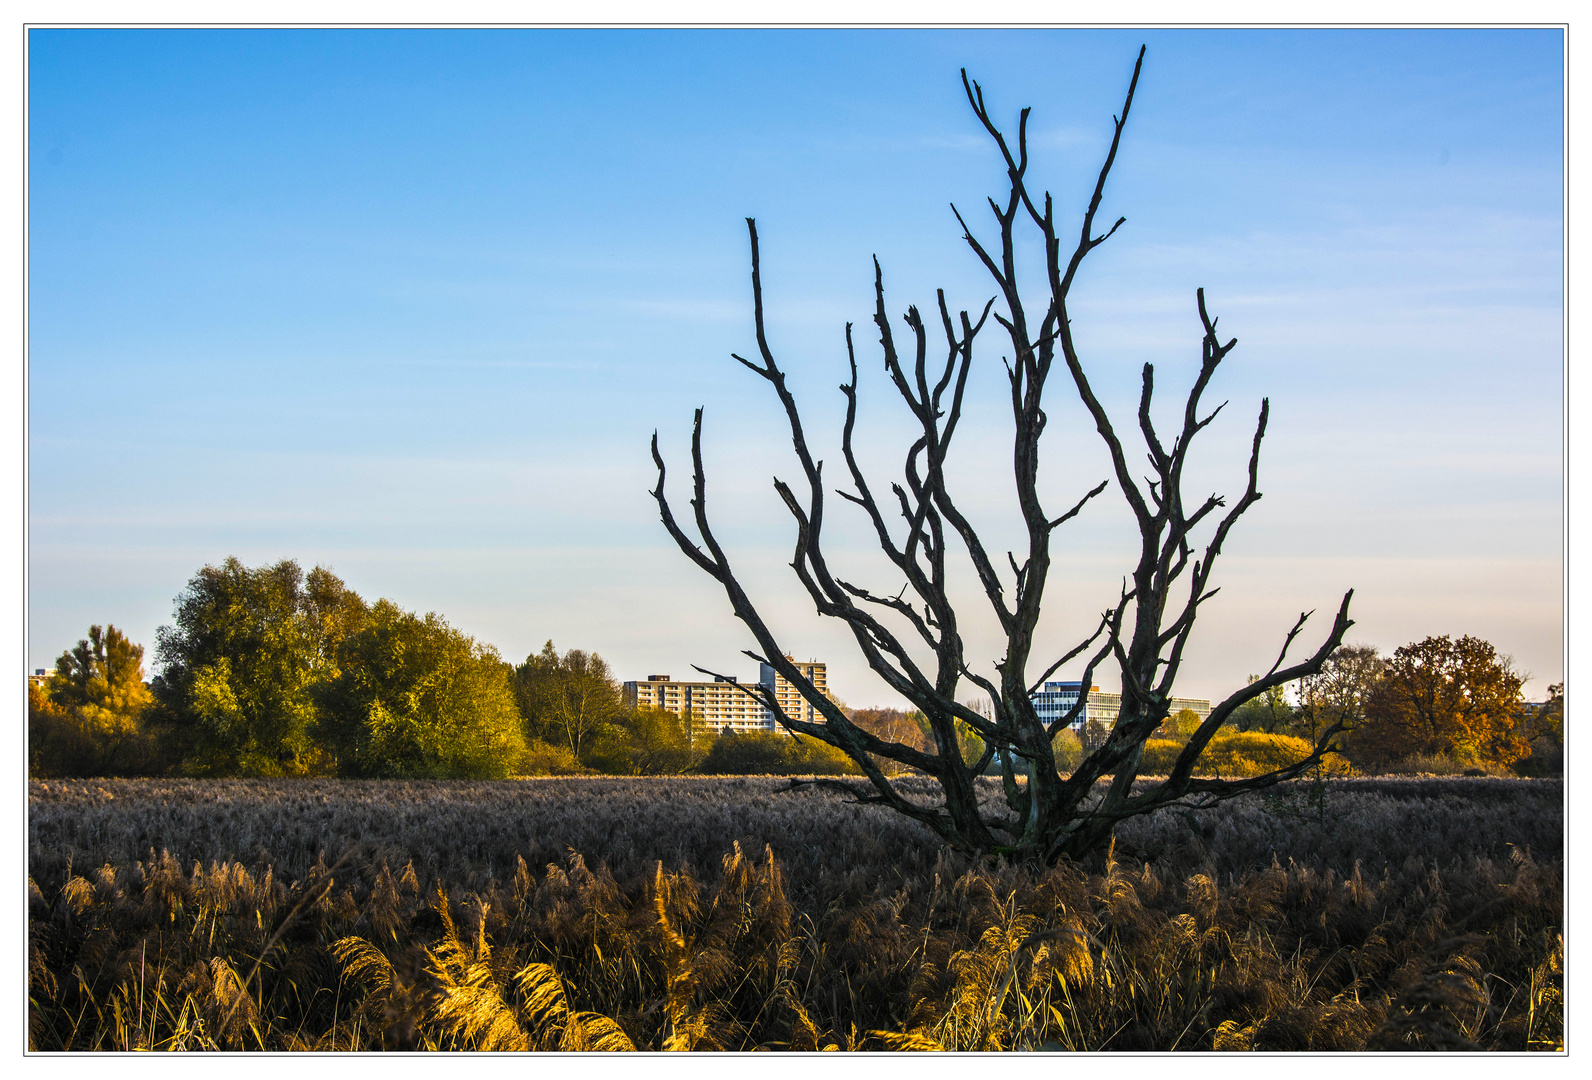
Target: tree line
<point>1443,704</point>
<point>275,672</point>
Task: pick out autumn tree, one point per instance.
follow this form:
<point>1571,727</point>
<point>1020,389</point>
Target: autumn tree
<point>894,725</point>
<point>909,631</point>
<point>907,727</point>
<point>87,720</point>
<point>567,700</point>
<point>238,665</point>
<point>102,677</point>
<point>1451,697</point>
<point>415,697</point>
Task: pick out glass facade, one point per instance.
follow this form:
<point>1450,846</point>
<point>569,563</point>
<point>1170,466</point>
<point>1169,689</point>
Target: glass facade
<point>1056,699</point>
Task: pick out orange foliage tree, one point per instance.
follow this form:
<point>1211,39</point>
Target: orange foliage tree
<point>1444,696</point>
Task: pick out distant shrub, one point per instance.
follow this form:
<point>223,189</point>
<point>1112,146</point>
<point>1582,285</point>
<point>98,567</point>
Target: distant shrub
<point>84,741</point>
<point>545,759</point>
<point>1449,764</point>
<point>767,753</point>
<point>646,742</point>
<point>1546,759</point>
<point>1159,754</point>
<point>1237,753</point>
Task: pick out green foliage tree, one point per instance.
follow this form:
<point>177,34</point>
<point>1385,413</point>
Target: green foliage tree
<point>662,743</point>
<point>1269,712</point>
<point>239,663</point>
<point>1179,727</point>
<point>1443,697</point>
<point>570,700</point>
<point>648,742</point>
<point>1068,748</point>
<point>414,697</point>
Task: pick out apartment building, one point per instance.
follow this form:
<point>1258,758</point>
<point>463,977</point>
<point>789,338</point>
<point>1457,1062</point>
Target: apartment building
<point>724,704</point>
<point>789,698</point>
<point>721,704</point>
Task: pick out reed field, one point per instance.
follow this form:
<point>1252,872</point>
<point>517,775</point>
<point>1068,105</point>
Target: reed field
<point>731,914</point>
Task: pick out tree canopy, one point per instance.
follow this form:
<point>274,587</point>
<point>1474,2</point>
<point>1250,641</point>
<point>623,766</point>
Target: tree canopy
<point>1270,713</point>
<point>268,671</point>
<point>1444,696</point>
<point>648,742</point>
<point>1339,693</point>
<point>568,700</point>
<point>103,679</point>
<point>414,697</point>
<point>239,662</point>
<point>89,718</point>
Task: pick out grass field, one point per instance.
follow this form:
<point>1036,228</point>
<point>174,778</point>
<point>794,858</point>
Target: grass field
<point>702,913</point>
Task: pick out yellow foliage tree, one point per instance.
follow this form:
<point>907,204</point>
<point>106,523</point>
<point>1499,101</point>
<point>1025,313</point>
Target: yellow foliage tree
<point>87,719</point>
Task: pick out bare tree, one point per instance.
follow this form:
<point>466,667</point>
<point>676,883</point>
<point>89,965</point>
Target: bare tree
<point>1340,691</point>
<point>1045,815</point>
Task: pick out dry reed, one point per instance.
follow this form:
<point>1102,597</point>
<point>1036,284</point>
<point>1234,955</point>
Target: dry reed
<point>1227,938</point>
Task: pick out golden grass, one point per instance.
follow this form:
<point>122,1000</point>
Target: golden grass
<point>967,956</point>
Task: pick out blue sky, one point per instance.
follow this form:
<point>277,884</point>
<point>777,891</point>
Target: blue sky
<point>410,304</point>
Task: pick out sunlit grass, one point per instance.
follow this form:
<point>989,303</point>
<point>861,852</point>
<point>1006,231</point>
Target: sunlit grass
<point>769,951</point>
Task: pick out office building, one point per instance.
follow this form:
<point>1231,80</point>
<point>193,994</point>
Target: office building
<point>1056,699</point>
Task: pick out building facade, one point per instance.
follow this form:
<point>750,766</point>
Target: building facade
<point>722,704</point>
<point>725,705</point>
<point>789,698</point>
<point>1057,699</point>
